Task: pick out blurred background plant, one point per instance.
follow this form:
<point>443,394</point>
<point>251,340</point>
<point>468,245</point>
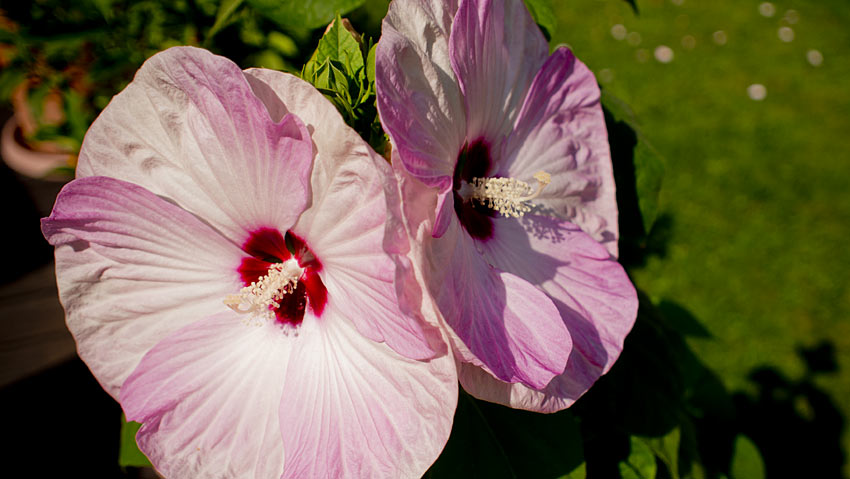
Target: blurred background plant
<point>61,62</point>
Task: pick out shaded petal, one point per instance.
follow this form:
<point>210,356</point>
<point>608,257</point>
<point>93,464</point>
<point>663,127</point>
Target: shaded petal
<point>418,96</point>
<point>132,268</point>
<point>509,327</point>
<point>495,50</point>
<point>190,129</point>
<point>208,397</point>
<point>354,408</point>
<point>592,292</point>
<point>348,224</point>
<point>561,130</point>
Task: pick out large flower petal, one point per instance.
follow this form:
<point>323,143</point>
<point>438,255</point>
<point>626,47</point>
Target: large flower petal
<point>418,96</point>
<point>190,129</point>
<point>354,408</point>
<point>208,397</point>
<point>348,224</point>
<point>508,325</point>
<point>593,294</point>
<point>561,130</point>
<point>132,268</point>
<point>496,49</point>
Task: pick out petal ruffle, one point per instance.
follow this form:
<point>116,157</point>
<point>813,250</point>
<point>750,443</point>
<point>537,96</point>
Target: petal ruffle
<point>509,327</point>
<point>347,225</point>
<point>189,128</point>
<point>592,292</point>
<point>208,397</point>
<point>561,130</point>
<point>418,96</point>
<point>354,408</point>
<point>495,49</point>
<point>131,269</point>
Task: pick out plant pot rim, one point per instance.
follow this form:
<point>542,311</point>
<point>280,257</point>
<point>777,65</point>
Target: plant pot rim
<point>28,162</point>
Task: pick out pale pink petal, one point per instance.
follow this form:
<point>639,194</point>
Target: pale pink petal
<point>561,130</point>
<point>508,325</point>
<point>131,269</point>
<point>189,128</point>
<point>354,408</point>
<point>348,225</point>
<point>208,397</point>
<point>418,96</point>
<point>496,49</point>
<point>591,290</point>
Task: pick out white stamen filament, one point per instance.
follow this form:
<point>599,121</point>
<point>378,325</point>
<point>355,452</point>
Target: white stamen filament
<point>508,196</point>
<point>268,291</point>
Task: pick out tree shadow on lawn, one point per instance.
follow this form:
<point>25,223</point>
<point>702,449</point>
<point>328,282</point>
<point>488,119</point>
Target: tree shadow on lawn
<point>795,425</point>
<point>661,399</point>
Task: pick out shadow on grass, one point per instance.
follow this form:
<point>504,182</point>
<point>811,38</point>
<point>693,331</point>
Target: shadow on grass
<point>661,399</point>
<point>795,425</point>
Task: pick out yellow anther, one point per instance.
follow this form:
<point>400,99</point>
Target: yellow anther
<point>508,196</point>
<point>268,291</point>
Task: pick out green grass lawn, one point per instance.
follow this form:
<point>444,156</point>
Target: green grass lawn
<point>755,191</point>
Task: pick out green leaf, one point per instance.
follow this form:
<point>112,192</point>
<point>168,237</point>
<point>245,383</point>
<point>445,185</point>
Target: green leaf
<point>222,17</point>
<point>667,449</point>
<point>129,453</point>
<point>648,168</point>
<point>104,7</point>
<point>544,17</point>
<point>746,462</point>
<point>493,441</point>
<point>303,13</point>
<point>641,461</point>
<point>370,66</point>
<point>339,45</point>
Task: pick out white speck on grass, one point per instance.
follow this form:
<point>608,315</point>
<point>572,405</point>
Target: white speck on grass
<point>633,38</point>
<point>767,9</point>
<point>606,75</point>
<point>814,57</point>
<point>618,31</point>
<point>663,54</point>
<point>757,92</point>
<point>689,42</point>
<point>719,37</point>
<point>791,16</point>
<point>786,34</point>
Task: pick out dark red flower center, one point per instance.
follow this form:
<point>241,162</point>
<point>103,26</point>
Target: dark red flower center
<point>473,161</point>
<point>266,247</point>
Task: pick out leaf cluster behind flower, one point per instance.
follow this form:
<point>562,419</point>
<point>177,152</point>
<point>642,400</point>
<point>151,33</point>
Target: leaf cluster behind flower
<point>343,69</point>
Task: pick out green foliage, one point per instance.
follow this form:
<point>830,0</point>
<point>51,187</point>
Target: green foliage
<point>648,167</point>
<point>747,462</point>
<point>129,454</point>
<point>544,17</point>
<point>492,441</point>
<point>343,69</point>
<point>303,13</point>
<point>641,461</point>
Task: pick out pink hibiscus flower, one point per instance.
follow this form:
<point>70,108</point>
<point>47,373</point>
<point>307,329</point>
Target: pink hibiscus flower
<point>221,262</point>
<point>537,308</point>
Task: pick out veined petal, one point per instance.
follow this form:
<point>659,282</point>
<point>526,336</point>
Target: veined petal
<point>495,49</point>
<point>348,224</point>
<point>561,130</point>
<point>131,269</point>
<point>354,408</point>
<point>592,292</point>
<point>208,397</point>
<point>509,327</point>
<point>190,129</point>
<point>418,96</point>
